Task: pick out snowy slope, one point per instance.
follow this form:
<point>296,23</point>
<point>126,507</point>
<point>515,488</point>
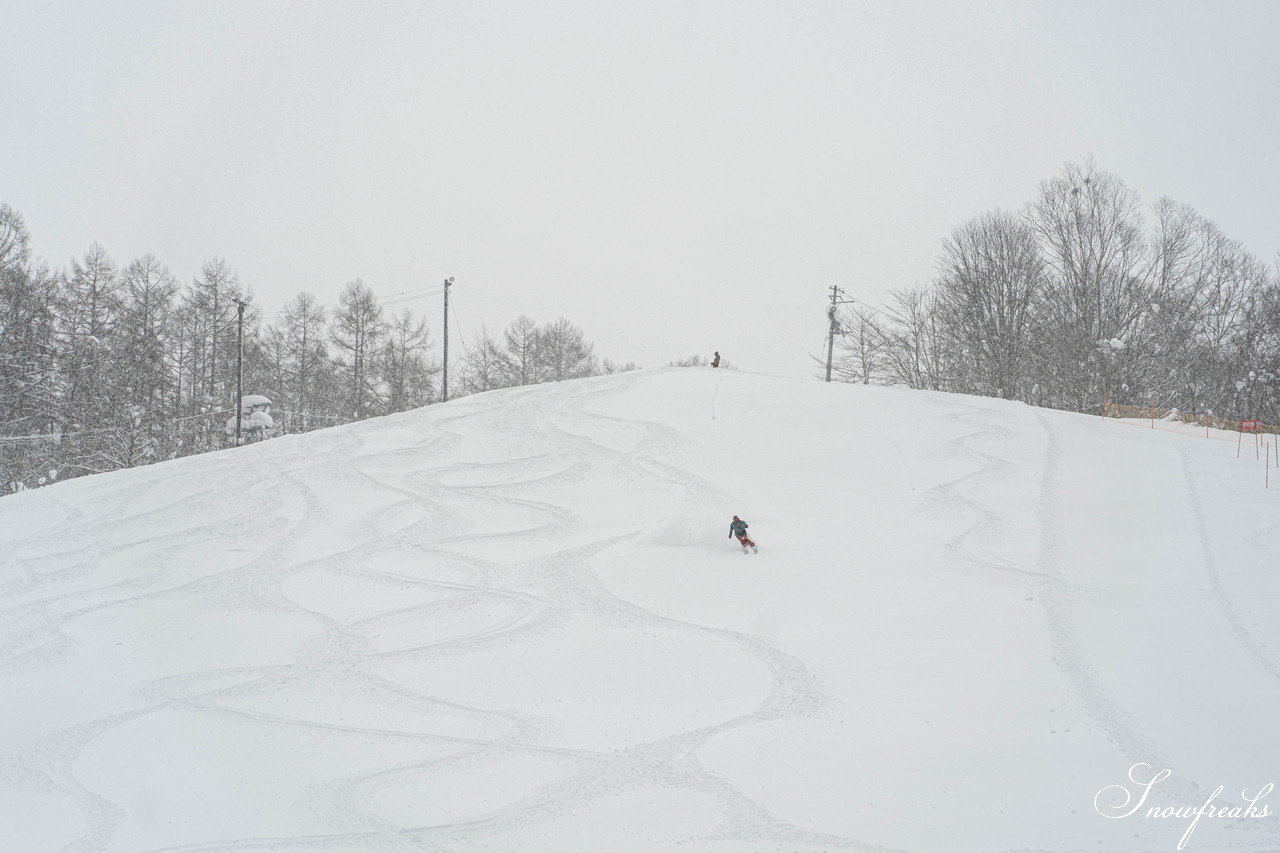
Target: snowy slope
<point>516,622</point>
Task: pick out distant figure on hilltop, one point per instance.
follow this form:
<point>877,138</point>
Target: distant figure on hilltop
<point>715,362</point>
<point>738,528</point>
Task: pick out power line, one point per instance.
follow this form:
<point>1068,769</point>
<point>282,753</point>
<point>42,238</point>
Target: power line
<point>382,302</point>
<point>461,340</point>
<point>418,290</point>
<point>58,437</point>
<point>415,296</point>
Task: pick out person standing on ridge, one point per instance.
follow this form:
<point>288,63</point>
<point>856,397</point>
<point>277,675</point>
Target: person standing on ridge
<point>715,362</point>
<point>738,528</point>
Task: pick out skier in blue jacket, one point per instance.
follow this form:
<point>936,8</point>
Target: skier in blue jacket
<point>738,528</point>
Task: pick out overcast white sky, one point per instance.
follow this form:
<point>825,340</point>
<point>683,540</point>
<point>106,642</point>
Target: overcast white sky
<point>675,177</point>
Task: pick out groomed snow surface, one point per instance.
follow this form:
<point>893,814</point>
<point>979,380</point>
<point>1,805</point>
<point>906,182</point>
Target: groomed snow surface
<point>516,622</point>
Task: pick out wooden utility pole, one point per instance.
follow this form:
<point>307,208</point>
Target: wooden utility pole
<point>239,367</point>
<point>833,324</point>
<point>444,382</point>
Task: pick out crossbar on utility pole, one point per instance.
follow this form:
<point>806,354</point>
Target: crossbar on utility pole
<point>444,382</point>
<point>239,367</point>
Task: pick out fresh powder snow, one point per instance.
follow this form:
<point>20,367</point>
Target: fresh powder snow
<point>516,621</point>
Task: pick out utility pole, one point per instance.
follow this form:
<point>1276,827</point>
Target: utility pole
<point>833,324</point>
<point>239,367</point>
<point>444,383</point>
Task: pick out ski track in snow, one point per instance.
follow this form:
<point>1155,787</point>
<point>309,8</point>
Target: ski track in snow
<point>1247,641</point>
<point>1063,604</point>
<point>437,588</point>
<point>1057,602</point>
<point>434,527</point>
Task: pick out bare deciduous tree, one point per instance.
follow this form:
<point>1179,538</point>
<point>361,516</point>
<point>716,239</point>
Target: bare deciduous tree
<point>407,368</point>
<point>306,361</point>
<point>913,354</point>
<point>1091,231</point>
<point>485,366</point>
<point>357,331</point>
<point>565,354</point>
<point>861,348</point>
<point>523,351</point>
<point>990,274</point>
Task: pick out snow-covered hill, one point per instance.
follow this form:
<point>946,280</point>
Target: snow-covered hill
<point>516,622</point>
